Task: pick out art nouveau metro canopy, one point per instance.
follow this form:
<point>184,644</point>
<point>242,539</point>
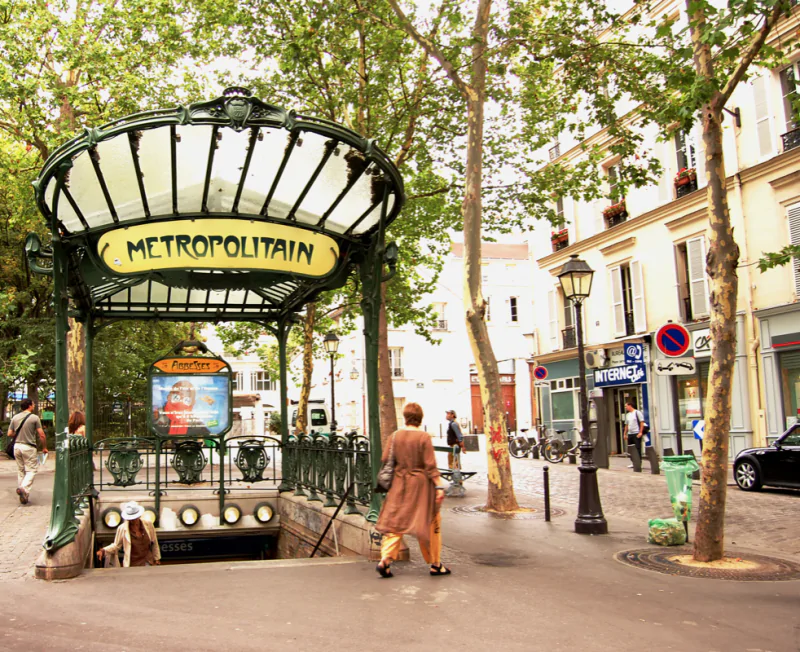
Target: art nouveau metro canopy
<point>227,209</point>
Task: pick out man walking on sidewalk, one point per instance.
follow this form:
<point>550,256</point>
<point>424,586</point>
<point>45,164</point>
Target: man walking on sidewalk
<point>633,427</point>
<point>454,438</point>
<point>26,425</point>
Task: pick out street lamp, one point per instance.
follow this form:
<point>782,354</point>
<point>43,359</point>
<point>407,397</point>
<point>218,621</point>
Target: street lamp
<point>331,344</point>
<point>576,283</point>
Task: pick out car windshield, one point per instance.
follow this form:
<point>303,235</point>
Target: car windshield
<point>792,439</point>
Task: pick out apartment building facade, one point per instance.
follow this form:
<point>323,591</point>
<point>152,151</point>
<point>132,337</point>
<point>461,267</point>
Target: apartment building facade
<point>648,251</point>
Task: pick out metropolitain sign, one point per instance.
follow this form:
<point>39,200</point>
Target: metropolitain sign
<point>218,244</point>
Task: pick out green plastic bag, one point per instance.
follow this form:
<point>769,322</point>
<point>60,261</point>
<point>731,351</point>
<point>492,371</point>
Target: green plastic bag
<point>666,532</point>
<point>679,469</point>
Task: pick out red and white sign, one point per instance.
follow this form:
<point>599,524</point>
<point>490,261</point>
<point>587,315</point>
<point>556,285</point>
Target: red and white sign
<point>673,340</point>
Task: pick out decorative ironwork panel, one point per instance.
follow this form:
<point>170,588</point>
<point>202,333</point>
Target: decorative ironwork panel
<point>189,462</point>
<point>791,139</point>
<point>251,460</point>
<point>686,188</point>
<point>124,462</point>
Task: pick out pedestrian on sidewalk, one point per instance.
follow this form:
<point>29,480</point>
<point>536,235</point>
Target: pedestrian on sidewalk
<point>454,438</point>
<point>26,425</point>
<point>634,427</point>
<point>413,501</point>
<point>77,424</point>
<point>137,539</point>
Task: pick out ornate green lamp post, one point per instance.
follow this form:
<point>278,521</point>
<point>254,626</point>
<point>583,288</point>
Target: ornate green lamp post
<point>331,343</point>
<point>576,282</point>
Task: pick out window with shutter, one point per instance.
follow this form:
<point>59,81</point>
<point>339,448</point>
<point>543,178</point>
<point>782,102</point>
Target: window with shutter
<point>760,92</point>
<point>637,283</point>
<point>698,283</point>
<point>685,150</point>
<point>551,301</point>
<point>617,302</point>
<point>791,110</point>
<point>793,213</point>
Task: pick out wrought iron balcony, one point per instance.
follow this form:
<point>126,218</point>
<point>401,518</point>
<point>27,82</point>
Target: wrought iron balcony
<point>619,218</point>
<point>791,139</point>
<point>558,245</point>
<point>569,337</point>
<point>686,188</point>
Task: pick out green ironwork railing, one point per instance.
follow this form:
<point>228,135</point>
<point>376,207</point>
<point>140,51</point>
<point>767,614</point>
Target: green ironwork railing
<point>320,467</point>
<point>72,489</point>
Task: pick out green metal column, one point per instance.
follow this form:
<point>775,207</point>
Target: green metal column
<point>283,335</point>
<point>63,524</point>
<point>89,379</point>
<point>371,271</point>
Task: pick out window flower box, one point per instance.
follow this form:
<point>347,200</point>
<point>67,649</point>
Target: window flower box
<point>615,214</point>
<point>685,176</point>
<point>559,239</point>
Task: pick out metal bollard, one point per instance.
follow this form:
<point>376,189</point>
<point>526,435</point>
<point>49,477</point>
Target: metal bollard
<point>546,472</point>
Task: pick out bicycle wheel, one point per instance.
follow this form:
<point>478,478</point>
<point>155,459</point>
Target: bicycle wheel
<point>518,449</point>
<point>554,451</point>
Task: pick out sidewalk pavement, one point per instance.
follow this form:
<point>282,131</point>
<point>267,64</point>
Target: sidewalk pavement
<point>516,585</point>
<point>22,527</point>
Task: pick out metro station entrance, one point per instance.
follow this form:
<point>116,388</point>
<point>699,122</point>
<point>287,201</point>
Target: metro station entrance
<point>225,210</point>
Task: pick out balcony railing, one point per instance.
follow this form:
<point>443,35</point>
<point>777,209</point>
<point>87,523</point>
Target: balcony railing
<point>614,220</point>
<point>558,245</point>
<point>630,325</point>
<point>397,373</point>
<point>441,325</point>
<point>569,337</point>
<point>686,188</point>
<point>791,139</point>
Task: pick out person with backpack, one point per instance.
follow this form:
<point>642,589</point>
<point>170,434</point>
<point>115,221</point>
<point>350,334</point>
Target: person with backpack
<point>635,427</point>
<point>24,427</point>
<point>454,438</point>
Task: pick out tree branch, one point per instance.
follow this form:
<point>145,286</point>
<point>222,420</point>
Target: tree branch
<point>432,50</point>
<point>747,58</point>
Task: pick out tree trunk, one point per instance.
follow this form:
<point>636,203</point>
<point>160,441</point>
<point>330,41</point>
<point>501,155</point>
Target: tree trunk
<point>721,262</point>
<point>76,362</point>
<point>308,368</point>
<point>385,382</point>
<point>501,488</point>
<point>33,392</point>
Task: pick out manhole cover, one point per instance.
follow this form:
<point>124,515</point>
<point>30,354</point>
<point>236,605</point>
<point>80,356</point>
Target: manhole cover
<point>528,513</point>
<point>740,568</point>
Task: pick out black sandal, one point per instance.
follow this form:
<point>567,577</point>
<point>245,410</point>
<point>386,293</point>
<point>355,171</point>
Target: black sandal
<point>441,569</point>
<point>384,571</point>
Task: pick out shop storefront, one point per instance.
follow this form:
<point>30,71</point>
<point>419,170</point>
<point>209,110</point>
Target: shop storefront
<point>780,355</point>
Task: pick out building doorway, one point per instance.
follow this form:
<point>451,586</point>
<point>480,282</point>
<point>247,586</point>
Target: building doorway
<point>623,395</point>
<point>509,396</point>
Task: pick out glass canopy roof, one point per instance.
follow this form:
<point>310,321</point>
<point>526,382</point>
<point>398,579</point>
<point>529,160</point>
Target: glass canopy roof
<point>227,209</point>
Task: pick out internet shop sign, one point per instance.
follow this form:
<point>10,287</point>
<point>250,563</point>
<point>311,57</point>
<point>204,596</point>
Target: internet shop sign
<point>218,244</point>
<point>626,375</point>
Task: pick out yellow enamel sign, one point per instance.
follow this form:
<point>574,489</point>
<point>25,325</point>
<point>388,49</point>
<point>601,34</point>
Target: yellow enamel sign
<point>218,244</point>
<point>189,365</point>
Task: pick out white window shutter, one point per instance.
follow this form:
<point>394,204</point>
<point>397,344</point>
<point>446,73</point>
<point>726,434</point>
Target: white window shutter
<point>551,300</point>
<point>637,285</point>
<point>698,283</point>
<point>760,93</point>
<point>793,213</point>
<point>617,305</point>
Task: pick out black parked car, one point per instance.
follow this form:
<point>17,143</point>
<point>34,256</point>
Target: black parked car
<point>777,465</point>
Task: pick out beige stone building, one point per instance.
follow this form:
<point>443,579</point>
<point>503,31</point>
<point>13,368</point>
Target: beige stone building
<point>648,254</point>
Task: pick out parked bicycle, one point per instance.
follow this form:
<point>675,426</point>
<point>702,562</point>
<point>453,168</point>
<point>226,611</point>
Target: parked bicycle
<point>521,445</point>
<point>555,450</point>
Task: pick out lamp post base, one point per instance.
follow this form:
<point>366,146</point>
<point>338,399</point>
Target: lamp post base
<point>590,511</point>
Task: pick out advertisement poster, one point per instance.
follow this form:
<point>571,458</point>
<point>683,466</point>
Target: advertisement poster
<point>190,405</point>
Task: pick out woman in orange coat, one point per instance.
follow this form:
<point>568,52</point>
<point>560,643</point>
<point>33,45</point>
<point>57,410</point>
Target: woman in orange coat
<point>413,501</point>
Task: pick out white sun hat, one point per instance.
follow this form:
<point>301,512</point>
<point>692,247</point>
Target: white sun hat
<point>132,510</point>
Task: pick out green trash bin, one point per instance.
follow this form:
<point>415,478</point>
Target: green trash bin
<point>679,470</point>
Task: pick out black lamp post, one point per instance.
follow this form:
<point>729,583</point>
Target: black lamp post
<point>576,282</point>
<point>331,343</point>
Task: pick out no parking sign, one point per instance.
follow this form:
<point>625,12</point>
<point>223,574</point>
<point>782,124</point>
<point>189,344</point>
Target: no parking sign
<point>540,373</point>
<point>673,340</point>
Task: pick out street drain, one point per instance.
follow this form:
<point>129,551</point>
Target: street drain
<point>737,567</point>
<point>526,512</point>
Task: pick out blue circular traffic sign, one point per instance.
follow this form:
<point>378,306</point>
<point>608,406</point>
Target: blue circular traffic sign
<point>673,340</point>
<point>540,373</point>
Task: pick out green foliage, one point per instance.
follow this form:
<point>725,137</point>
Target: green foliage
<point>124,351</point>
<point>783,257</point>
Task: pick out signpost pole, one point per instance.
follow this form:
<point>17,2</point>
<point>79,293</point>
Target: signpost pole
<point>676,414</point>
